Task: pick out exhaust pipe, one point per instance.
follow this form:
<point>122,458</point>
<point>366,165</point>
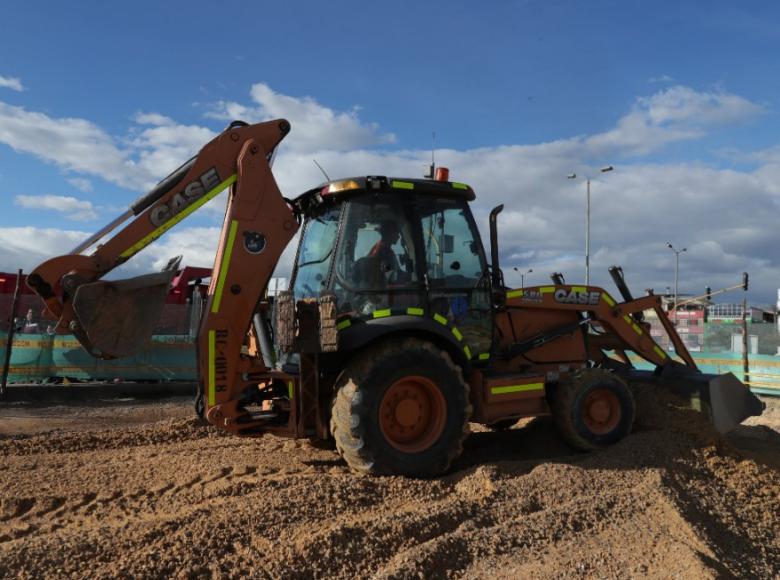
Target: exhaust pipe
<point>497,278</point>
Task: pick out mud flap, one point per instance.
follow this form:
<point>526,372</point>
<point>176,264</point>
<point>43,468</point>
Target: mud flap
<point>723,398</point>
<point>116,318</point>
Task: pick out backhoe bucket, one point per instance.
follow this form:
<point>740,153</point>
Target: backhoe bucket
<point>723,398</point>
<point>117,318</point>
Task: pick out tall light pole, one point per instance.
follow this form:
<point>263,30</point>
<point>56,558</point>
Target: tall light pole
<point>676,272</point>
<point>522,276</point>
<point>587,221</point>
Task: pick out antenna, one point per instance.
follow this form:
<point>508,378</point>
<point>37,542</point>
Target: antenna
<point>321,169</point>
<point>432,168</point>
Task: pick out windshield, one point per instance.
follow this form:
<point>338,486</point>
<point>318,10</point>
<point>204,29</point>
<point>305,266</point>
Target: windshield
<point>315,253</point>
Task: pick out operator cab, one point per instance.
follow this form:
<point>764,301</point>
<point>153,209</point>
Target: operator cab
<point>393,246</point>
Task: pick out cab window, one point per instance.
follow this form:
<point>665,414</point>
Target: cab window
<point>315,254</point>
<point>452,251</point>
<point>375,266</point>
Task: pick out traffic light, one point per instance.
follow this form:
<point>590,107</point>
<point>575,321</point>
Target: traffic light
<point>708,293</point>
<point>745,281</point>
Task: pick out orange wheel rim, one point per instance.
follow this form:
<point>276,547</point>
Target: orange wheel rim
<point>412,414</point>
<point>601,412</point>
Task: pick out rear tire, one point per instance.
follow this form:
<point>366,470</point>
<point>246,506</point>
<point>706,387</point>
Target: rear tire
<point>401,408</point>
<point>593,409</point>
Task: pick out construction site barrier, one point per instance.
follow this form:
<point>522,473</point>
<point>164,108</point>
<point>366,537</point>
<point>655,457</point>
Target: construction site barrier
<point>764,370</point>
<point>42,358</point>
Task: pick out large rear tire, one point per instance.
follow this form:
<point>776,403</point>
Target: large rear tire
<point>593,409</point>
<point>401,408</point>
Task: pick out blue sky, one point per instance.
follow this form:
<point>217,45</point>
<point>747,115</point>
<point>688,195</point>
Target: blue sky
<point>98,100</point>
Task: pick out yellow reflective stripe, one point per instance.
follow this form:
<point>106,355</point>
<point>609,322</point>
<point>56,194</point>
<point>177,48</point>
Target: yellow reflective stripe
<point>402,184</point>
<point>290,390</point>
<point>608,299</point>
<point>384,313</point>
<point>516,388</point>
<point>344,324</point>
<point>212,373</point>
<point>457,333</point>
<point>149,238</point>
<point>459,185</point>
<point>637,329</point>
<point>627,318</point>
<point>415,311</point>
<point>547,289</point>
<point>514,293</point>
<point>659,352</point>
<point>578,288</point>
<point>484,356</point>
<point>467,350</point>
<point>223,268</point>
<point>440,319</point>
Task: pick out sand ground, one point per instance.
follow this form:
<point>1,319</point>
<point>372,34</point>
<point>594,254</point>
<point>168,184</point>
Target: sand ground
<point>135,488</point>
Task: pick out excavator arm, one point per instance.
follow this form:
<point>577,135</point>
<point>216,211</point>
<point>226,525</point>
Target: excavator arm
<point>113,319</point>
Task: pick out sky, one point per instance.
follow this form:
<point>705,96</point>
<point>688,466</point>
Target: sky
<point>100,100</point>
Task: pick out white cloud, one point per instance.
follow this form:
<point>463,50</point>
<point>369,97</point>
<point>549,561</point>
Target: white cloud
<point>81,183</point>
<point>73,144</point>
<point>675,114</point>
<point>153,119</point>
<point>315,127</point>
<point>725,217</point>
<point>74,209</point>
<point>12,83</point>
<point>660,79</point>
<point>26,247</point>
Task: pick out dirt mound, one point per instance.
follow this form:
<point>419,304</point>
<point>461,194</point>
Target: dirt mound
<point>175,499</point>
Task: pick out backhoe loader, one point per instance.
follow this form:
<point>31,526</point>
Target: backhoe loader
<point>396,331</point>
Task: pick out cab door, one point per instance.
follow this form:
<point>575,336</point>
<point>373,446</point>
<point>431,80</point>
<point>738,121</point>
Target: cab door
<point>456,271</point>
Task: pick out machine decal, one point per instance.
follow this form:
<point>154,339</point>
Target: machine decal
<point>577,295</point>
<point>254,242</point>
<point>632,324</point>
<point>532,296</point>
<point>484,356</point>
<point>440,319</point>
<point>608,299</point>
<point>211,379</point>
<point>384,313</point>
<point>402,184</point>
<point>457,333</point>
<point>415,311</point>
<point>190,194</point>
<point>177,217</point>
<point>467,350</point>
<point>344,324</point>
<point>659,351</point>
<point>223,267</point>
<point>217,364</point>
<point>516,388</point>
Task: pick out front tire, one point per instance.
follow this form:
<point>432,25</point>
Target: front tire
<point>401,408</point>
<point>593,409</point>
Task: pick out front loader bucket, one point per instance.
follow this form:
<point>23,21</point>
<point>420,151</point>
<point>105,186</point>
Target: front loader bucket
<point>117,318</point>
<point>723,398</point>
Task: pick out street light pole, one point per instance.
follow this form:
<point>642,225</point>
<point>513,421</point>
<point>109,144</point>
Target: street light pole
<point>587,221</point>
<point>676,272</point>
<point>522,276</point>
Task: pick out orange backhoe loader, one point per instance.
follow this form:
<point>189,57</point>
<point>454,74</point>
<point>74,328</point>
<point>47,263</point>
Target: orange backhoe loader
<point>396,332</point>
